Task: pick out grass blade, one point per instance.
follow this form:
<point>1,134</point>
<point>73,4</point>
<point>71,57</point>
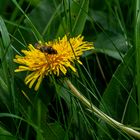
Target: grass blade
<point>137,43</point>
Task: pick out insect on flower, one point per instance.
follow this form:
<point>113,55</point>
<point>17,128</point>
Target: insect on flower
<point>45,48</point>
<point>51,58</point>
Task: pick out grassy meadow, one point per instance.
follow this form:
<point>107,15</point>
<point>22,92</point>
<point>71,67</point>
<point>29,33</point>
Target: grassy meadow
<point>88,84</point>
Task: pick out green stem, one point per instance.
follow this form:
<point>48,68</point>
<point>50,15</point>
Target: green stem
<point>100,114</point>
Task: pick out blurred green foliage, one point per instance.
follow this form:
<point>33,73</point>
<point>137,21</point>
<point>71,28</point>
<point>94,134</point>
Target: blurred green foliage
<point>107,78</point>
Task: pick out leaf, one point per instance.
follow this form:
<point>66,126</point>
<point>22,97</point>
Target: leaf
<point>7,68</point>
<point>54,131</point>
<point>35,31</point>
<point>105,21</point>
<point>5,56</point>
<point>41,15</point>
<point>119,98</point>
<point>75,18</point>
<point>5,135</point>
<point>80,12</point>
<point>45,17</point>
<point>112,44</point>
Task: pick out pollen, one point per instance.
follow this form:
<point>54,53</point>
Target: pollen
<point>41,64</point>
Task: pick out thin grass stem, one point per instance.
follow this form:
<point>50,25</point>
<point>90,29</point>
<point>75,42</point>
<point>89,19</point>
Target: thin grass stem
<point>100,114</point>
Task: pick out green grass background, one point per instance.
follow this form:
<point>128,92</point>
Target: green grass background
<point>109,78</point>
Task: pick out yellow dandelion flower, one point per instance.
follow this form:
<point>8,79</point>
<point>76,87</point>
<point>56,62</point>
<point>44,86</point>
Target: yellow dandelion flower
<point>53,57</point>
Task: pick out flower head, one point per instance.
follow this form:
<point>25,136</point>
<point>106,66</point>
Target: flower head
<point>53,57</point>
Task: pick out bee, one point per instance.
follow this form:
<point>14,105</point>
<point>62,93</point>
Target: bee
<point>46,49</point>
